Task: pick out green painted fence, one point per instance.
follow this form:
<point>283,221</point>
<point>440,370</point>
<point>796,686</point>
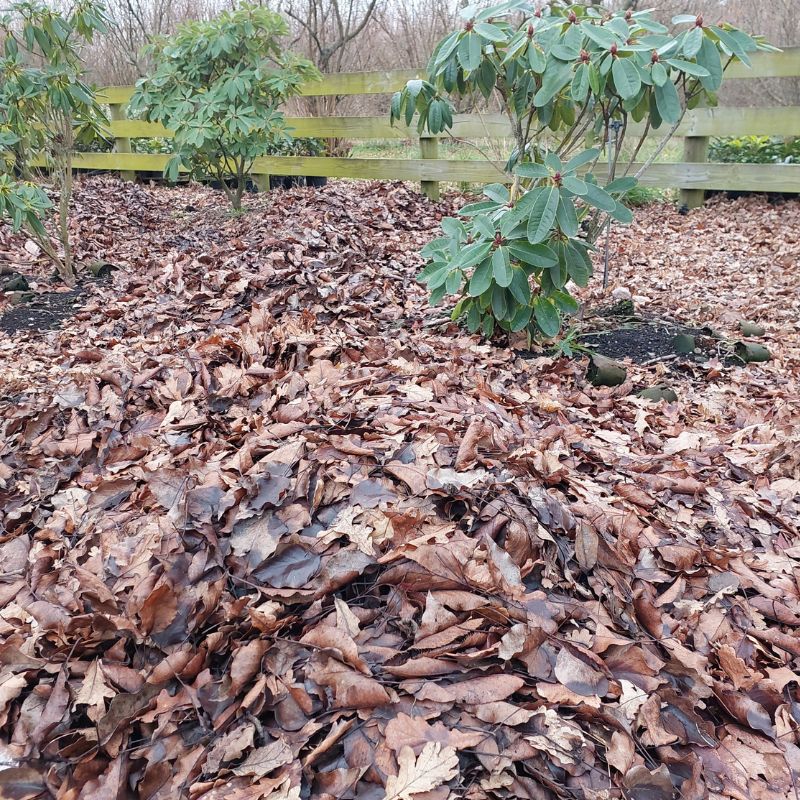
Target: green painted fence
<point>693,176</point>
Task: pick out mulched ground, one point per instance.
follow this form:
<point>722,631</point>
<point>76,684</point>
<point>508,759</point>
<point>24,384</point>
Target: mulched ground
<point>45,311</point>
<point>270,529</point>
<point>641,340</point>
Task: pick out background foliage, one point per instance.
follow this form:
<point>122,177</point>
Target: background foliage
<point>755,150</point>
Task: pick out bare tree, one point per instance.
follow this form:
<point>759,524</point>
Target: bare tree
<point>409,31</point>
<point>117,57</point>
<point>331,29</point>
<point>331,26</point>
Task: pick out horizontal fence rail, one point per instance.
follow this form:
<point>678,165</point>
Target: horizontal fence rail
<point>778,121</point>
<point>694,176</point>
<point>729,177</point>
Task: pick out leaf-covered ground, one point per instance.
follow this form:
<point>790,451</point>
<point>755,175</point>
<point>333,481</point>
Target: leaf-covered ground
<point>271,529</point>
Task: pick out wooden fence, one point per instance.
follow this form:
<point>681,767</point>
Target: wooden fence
<point>693,176</point>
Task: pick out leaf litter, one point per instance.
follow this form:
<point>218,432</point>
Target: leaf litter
<point>273,528</point>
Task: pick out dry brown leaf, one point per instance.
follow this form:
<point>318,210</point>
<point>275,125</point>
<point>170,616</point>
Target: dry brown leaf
<point>264,760</point>
<point>472,691</point>
<point>468,449</point>
<point>578,676</point>
<point>417,774</point>
<point>415,732</point>
<point>238,484</point>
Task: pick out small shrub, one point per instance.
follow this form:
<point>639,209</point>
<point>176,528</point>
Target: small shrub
<point>45,107</point>
<point>291,146</point>
<point>755,150</point>
<point>219,86</point>
<point>570,79</point>
<point>155,144</point>
<point>645,195</point>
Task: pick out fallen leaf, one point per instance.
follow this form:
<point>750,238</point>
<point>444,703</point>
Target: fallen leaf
<point>434,766</point>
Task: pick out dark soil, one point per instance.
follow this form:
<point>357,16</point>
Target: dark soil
<point>45,312</point>
<point>639,340</point>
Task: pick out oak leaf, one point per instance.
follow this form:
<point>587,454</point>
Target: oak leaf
<point>430,769</point>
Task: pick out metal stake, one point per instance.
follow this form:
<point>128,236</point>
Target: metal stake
<point>612,146</point>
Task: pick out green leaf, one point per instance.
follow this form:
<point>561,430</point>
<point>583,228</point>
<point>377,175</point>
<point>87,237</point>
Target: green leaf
<point>543,214</point>
<point>431,269</point>
<point>443,51</point>
<point>520,287</point>
<point>172,167</point>
<point>626,78</point>
<point>659,73</point>
<point>566,216</point>
<point>547,316</point>
<point>556,275</point>
<point>521,319</point>
<point>501,267</point>
<point>436,295</point>
<point>566,303</point>
<point>553,162</point>
<point>692,42</point>
<point>621,185</point>
<point>565,52</point>
<point>623,214</point>
<point>490,32</point>
<point>581,159</point>
<point>531,170</point>
<point>574,185</point>
<point>470,52</point>
<point>472,254</point>
<point>481,279</point>
<point>497,192</point>
<point>459,307</point>
<point>709,58</point>
<point>439,277</point>
<point>473,318</point>
<point>598,198</point>
<point>483,225</point>
<point>537,59</point>
<point>600,35</point>
<point>689,67</point>
<point>556,76</point>
<point>620,26</point>
<point>435,117</point>
<point>453,282</point>
<point>499,302</point>
<point>537,255</point>
<point>454,228</point>
<point>579,266</point>
<point>731,44</point>
<point>596,81</point>
<point>668,102</point>
<point>471,209</point>
<point>580,84</point>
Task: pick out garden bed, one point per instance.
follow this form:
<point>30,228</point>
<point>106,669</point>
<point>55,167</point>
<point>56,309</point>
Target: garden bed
<point>266,519</point>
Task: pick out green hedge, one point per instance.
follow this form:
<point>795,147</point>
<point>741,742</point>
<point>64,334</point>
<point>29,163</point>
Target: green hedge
<point>755,150</point>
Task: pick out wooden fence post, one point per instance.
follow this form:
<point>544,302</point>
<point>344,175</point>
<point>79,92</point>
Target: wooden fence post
<point>429,148</point>
<point>695,151</point>
<point>261,181</point>
<point>122,144</point>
